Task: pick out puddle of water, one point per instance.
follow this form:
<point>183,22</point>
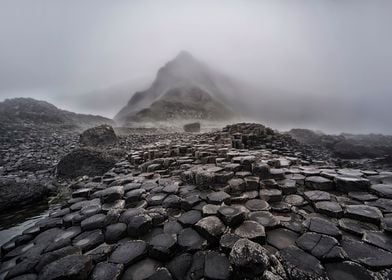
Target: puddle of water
<point>14,222</point>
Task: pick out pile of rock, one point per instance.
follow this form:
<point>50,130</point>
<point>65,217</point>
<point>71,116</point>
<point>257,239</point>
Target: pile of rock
<point>189,209</point>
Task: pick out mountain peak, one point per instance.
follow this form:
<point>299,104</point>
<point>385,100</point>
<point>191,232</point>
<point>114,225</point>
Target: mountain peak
<point>184,55</point>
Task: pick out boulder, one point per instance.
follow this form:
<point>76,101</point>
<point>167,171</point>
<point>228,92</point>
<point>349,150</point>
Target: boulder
<point>102,135</point>
<point>84,161</point>
<point>192,127</point>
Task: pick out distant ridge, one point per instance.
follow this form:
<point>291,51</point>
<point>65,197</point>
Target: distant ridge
<point>36,112</point>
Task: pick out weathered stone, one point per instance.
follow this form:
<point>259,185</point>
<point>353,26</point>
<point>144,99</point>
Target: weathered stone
<point>301,265</point>
<point>139,225</point>
<point>162,246</point>
<point>379,239</point>
<point>362,196</point>
<point>383,190</point>
<point>190,218</point>
<point>115,232</point>
<point>93,222</point>
<point>227,242</point>
<point>216,266</point>
<point>257,205</point>
<point>322,226</point>
<point>319,183</point>
<point>218,198</point>
<point>192,127</point>
<point>281,238</point>
<point>141,270</point>
<point>294,199</point>
<point>251,230</point>
<point>189,240</point>
<point>271,195</point>
<point>323,247</point>
<point>107,271</point>
<point>315,196</point>
<point>366,254</point>
<point>231,216</point>
<point>179,266</point>
<point>210,209</point>
<point>70,267</point>
<point>347,271</point>
<point>172,227</point>
<point>265,219</point>
<point>211,228</point>
<point>102,135</point>
<point>356,227</point>
<point>351,184</point>
<point>363,213</point>
<point>329,208</point>
<point>129,252</point>
<point>248,258</point>
<point>82,162</point>
<point>89,240</point>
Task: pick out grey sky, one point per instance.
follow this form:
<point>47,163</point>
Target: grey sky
<point>66,51</point>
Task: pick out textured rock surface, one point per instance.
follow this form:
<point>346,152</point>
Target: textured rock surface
<point>240,202</point>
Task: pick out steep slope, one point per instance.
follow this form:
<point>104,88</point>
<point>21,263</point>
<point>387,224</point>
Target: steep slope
<point>185,103</point>
<point>185,72</point>
<point>36,112</point>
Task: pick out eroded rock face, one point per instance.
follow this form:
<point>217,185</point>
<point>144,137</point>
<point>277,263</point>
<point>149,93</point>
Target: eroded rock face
<point>98,136</point>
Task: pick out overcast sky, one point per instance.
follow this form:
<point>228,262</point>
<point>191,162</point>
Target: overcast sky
<point>66,51</point>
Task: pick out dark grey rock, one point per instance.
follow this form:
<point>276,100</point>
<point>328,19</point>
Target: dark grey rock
<point>88,240</point>
<point>347,271</point>
<point>364,213</point>
<point>129,252</point>
<point>366,254</point>
<point>319,183</point>
<point>248,259</point>
<point>231,216</point>
<point>257,205</point>
<point>216,266</point>
<point>351,184</point>
<point>322,226</point>
<point>265,219</point>
<point>323,247</point>
<point>329,208</point>
<point>251,230</point>
<point>93,222</point>
<point>141,270</point>
<point>356,227</point>
<point>115,232</point>
<point>70,267</point>
<point>301,265</point>
<point>107,271</point>
<point>139,225</point>
<point>189,240</point>
<point>281,238</point>
<point>210,228</point>
<point>162,246</point>
<point>102,135</point>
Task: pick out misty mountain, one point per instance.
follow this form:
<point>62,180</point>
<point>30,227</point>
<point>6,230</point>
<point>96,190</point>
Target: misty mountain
<point>175,84</point>
<point>35,112</point>
<point>186,103</point>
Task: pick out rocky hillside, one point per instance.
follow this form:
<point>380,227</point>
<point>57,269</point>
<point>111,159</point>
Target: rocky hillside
<point>173,86</point>
<point>28,111</point>
<point>349,146</point>
<point>184,103</point>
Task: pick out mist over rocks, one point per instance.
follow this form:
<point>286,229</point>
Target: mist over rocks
<point>184,88</point>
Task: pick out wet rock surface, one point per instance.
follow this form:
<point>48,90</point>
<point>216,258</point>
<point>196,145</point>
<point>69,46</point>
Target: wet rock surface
<point>243,202</point>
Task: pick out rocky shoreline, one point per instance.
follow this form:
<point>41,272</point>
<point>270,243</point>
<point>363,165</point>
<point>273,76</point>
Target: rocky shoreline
<point>241,203</point>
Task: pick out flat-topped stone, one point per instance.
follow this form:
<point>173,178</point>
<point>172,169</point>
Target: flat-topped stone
<point>363,213</point>
<point>319,183</point>
<point>252,231</point>
<point>315,196</point>
<point>351,184</point>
